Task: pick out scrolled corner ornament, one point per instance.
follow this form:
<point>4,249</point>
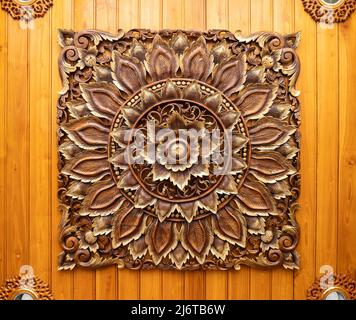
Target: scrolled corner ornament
<point>178,150</point>
<point>329,11</point>
<point>26,10</point>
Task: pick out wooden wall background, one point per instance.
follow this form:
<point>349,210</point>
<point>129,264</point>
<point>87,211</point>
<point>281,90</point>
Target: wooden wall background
<point>29,83</point>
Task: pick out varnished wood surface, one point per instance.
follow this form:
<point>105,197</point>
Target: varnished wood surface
<point>29,84</point>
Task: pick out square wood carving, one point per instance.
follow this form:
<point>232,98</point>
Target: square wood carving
<point>178,149</point>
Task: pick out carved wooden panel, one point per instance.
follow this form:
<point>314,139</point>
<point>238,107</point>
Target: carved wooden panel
<point>171,201</point>
<point>329,11</point>
<point>26,9</point>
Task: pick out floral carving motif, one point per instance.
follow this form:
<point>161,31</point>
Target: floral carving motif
<point>26,9</point>
<point>163,212</point>
<point>322,11</point>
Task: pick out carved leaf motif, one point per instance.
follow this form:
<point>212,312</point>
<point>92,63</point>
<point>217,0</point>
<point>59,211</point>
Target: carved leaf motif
<point>230,75</point>
<point>162,62</point>
<point>171,91</point>
<point>103,198</point>
<point>68,149</point>
<point>77,189</point>
<point>255,100</point>
<point>230,225</point>
<point>255,199</point>
<point>128,72</point>
<point>161,239</point>
<point>220,248</point>
<point>129,224</point>
<point>127,181</point>
<point>179,256</point>
<point>197,238</point>
<point>270,166</point>
<point>188,209</point>
<point>138,248</point>
<point>197,63</point>
<point>87,133</point>
<point>268,133</point>
<point>179,42</point>
<point>103,100</point>
<point>87,166</point>
<point>280,189</point>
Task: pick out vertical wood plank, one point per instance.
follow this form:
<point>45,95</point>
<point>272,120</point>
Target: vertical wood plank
<point>3,104</point>
<point>347,143</point>
<point>283,22</point>
<point>327,147</point>
<point>84,279</point>
<point>239,16</point>
<point>239,19</point>
<point>172,281</point>
<point>17,149</point>
<point>128,280</point>
<point>261,20</point>
<point>194,18</point>
<point>217,17</point>
<point>39,141</point>
<point>106,278</point>
<point>306,216</point>
<point>106,15</point>
<point>62,281</point>
<point>151,281</point>
<point>194,14</point>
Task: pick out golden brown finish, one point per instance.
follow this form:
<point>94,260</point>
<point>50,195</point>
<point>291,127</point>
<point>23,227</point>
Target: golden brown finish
<point>159,213</point>
<point>250,16</point>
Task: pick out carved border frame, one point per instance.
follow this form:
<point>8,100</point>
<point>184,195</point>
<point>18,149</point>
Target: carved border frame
<point>87,59</point>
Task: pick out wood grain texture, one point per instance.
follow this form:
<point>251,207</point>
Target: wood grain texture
<point>306,216</point>
<point>62,282</point>
<point>282,280</point>
<point>28,147</point>
<point>347,148</point>
<point>3,99</point>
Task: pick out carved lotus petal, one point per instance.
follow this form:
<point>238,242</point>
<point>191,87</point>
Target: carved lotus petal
<point>148,98</point>
<point>220,248</point>
<point>214,102</point>
<point>77,190</point>
<point>209,202</point>
<point>164,209</point>
<point>254,199</point>
<point>220,52</point>
<point>138,248</point>
<point>228,185</point>
<point>162,62</point>
<point>179,43</point>
<point>143,199</point>
<point>197,62</point>
<point>128,73</point>
<point>103,100</point>
<point>192,92</point>
<point>179,256</point>
<point>68,149</point>
<point>161,239</point>
<point>255,100</point>
<point>188,209</point>
<point>138,50</point>
<point>269,133</point>
<point>230,75</point>
<point>171,91</point>
<point>197,238</point>
<point>230,225</point>
<point>87,133</point>
<point>270,166</point>
<point>127,181</point>
<point>103,198</point>
<point>129,224</point>
<point>87,166</point>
